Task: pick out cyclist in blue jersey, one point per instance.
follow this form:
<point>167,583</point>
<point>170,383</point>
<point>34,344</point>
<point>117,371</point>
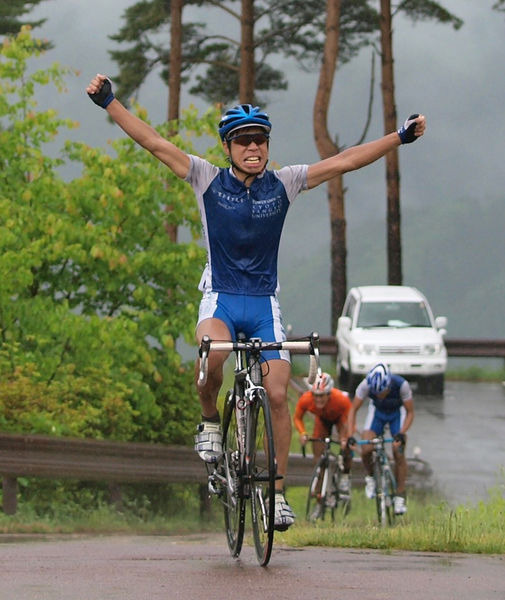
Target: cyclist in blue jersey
<point>243,208</point>
<point>390,404</point>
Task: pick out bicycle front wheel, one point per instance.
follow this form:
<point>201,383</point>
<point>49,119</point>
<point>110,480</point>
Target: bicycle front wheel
<point>262,470</point>
<point>343,498</point>
<point>380,499</point>
<point>384,487</point>
<point>232,493</point>
<point>389,494</point>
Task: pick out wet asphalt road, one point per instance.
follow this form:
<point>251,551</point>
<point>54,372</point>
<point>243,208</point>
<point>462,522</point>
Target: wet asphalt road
<point>170,568</point>
<point>461,436</point>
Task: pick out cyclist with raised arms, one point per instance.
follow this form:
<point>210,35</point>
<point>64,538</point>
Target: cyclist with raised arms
<point>330,407</point>
<point>391,403</point>
<point>243,208</point>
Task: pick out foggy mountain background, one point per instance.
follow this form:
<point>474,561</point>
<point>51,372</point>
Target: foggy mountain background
<point>452,181</point>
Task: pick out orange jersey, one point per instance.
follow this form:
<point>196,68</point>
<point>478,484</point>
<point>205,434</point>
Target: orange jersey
<point>335,411</point>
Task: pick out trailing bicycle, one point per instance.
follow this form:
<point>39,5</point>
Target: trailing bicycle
<point>324,493</point>
<point>247,470</point>
<point>385,481</point>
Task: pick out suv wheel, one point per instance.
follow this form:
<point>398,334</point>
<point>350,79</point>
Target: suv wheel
<point>432,386</point>
<point>343,376</point>
<point>354,381</point>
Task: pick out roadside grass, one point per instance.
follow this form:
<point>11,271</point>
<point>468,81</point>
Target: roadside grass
<point>430,525</point>
<point>105,519</point>
<point>475,374</point>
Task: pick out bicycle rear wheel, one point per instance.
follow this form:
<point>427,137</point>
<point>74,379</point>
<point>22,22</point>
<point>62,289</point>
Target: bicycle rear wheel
<point>263,470</point>
<point>315,507</point>
<point>233,497</point>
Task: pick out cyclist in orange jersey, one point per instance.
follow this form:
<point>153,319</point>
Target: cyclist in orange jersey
<point>330,406</point>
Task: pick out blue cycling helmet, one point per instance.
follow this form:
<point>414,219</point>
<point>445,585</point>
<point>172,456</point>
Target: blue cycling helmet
<point>379,378</point>
<point>243,115</point>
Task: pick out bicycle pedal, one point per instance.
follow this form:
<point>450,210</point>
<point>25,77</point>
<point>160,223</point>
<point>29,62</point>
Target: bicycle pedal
<point>212,487</point>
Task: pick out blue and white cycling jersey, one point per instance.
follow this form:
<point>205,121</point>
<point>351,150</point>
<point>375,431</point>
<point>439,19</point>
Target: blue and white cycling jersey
<point>399,391</point>
<point>242,226</point>
<point>386,411</point>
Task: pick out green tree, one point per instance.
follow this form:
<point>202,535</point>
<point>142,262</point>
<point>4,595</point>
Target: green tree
<point>219,54</point>
<point>223,66</point>
<point>86,322</point>
<point>11,13</point>
<point>499,5</point>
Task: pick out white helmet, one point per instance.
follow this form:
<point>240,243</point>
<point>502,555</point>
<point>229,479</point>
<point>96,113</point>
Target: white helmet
<point>323,384</point>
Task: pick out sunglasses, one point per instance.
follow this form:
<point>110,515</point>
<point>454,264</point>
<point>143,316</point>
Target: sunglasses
<point>245,139</point>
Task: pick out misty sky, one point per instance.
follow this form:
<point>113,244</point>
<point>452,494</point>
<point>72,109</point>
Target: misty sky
<point>454,77</point>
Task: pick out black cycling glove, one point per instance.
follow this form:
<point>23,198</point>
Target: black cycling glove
<point>400,437</point>
<point>406,131</point>
<point>105,96</point>
<point>351,441</point>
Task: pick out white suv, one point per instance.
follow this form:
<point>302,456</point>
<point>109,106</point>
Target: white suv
<point>392,324</point>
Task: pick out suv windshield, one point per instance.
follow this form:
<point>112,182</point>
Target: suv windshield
<point>393,314</point>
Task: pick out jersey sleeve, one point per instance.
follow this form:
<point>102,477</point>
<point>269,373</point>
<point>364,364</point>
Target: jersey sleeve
<point>294,179</point>
<point>405,391</point>
<point>362,390</point>
<point>201,173</point>
<point>300,410</point>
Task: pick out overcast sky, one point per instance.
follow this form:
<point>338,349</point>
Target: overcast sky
<point>454,77</point>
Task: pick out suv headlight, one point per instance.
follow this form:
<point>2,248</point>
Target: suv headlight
<point>366,349</point>
<point>431,349</point>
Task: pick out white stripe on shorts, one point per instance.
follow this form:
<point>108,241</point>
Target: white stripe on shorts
<point>279,333</point>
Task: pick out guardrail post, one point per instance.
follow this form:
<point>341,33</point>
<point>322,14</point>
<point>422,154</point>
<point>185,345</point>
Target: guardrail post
<point>115,496</point>
<point>205,503</point>
<point>9,492</point>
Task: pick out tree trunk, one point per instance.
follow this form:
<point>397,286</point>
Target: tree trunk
<point>327,147</point>
<point>174,76</point>
<point>247,65</point>
<point>338,248</point>
<point>174,79</point>
<point>394,247</point>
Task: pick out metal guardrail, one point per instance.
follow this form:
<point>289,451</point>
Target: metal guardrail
<point>475,347</point>
<point>124,462</point>
<point>472,347</point>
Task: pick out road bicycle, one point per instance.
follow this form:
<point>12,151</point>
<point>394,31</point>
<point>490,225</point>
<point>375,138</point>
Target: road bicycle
<point>324,493</point>
<point>385,481</point>
<point>247,470</point>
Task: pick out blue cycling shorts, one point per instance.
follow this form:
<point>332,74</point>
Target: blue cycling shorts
<point>255,316</point>
<point>376,420</point>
